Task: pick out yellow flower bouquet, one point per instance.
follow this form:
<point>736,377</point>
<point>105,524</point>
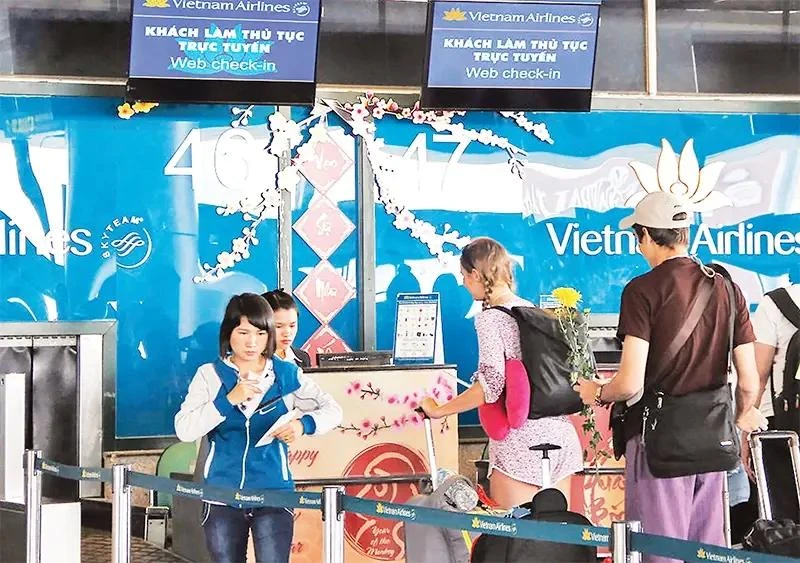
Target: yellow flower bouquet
<point>574,325</point>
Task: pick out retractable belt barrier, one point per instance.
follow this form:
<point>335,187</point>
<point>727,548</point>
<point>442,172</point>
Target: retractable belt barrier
<point>636,543</point>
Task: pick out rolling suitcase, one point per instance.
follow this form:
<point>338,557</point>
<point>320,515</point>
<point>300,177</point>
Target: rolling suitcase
<point>766,497</point>
<point>427,544</point>
<point>776,532</point>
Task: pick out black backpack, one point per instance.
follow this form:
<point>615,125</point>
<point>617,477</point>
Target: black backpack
<point>787,403</point>
<point>549,505</point>
<point>545,354</point>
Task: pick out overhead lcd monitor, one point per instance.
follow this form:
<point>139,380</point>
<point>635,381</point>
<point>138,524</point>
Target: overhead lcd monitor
<point>236,51</point>
<point>514,56</point>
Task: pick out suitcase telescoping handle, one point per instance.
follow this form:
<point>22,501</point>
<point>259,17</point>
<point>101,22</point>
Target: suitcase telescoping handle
<point>547,477</point>
<point>426,421</point>
<point>757,453</point>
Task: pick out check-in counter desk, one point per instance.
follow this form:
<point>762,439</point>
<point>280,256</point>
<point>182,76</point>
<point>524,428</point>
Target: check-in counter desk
<point>380,436</point>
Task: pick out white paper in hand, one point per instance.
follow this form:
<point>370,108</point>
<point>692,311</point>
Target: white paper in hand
<point>285,419</point>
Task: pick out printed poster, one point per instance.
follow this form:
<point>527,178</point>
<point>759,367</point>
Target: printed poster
<point>380,435</point>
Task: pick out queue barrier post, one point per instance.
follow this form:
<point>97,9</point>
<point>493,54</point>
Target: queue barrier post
<point>33,506</point>
<point>120,514</point>
<point>333,524</point>
<point>620,542</point>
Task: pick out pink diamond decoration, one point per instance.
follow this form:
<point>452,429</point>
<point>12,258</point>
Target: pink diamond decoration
<point>325,341</point>
<point>328,164</point>
<point>324,227</point>
<point>324,292</point>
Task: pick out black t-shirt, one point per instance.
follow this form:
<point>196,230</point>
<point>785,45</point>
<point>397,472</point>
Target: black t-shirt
<point>654,307</point>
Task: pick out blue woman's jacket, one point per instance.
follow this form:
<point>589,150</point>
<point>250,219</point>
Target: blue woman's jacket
<point>234,460</point>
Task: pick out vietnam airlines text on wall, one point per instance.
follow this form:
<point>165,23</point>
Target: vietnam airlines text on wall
<point>740,239</point>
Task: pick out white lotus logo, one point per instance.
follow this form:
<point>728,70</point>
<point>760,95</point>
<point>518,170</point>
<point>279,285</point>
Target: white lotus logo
<point>681,177</point>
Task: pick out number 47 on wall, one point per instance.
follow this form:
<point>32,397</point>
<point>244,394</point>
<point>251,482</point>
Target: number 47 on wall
<point>419,147</point>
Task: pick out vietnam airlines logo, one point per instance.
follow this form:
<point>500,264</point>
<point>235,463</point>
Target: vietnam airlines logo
<point>305,501</point>
<point>49,467</point>
<point>85,474</point>
<point>156,3</point>
<point>248,498</point>
<point>454,15</point>
<point>400,512</point>
<point>706,555</point>
<point>494,526</point>
<point>591,536</point>
<point>683,178</point>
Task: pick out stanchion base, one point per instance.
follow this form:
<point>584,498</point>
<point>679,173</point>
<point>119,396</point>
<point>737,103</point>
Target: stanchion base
<point>61,532</point>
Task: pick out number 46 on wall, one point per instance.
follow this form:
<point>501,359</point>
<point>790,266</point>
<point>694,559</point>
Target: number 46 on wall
<point>237,158</point>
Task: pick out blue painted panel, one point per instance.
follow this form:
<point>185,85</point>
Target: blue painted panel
<point>70,164</point>
<point>560,222</point>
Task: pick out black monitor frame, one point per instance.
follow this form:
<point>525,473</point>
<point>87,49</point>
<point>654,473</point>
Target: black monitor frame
<point>210,90</point>
<point>500,99</point>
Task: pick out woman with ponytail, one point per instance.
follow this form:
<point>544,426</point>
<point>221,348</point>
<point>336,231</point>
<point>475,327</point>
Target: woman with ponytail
<point>515,472</point>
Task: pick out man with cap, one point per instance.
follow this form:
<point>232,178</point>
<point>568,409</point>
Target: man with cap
<point>653,309</point>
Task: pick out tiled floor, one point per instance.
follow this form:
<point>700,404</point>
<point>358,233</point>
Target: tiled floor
<point>96,548</point>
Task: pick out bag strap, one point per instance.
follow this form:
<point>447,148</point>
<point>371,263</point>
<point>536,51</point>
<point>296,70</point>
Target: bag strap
<point>699,305</point>
<point>786,305</point>
<point>788,308</point>
<point>731,322</point>
<point>504,309</point>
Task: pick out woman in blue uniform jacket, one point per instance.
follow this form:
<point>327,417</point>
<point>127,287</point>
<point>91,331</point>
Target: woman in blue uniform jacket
<point>234,401</point>
<point>284,309</point>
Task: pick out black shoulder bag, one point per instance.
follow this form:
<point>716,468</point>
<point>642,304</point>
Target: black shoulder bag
<point>693,433</point>
<point>626,421</point>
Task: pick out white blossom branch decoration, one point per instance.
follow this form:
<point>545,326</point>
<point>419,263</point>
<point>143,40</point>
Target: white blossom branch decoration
<point>287,139</point>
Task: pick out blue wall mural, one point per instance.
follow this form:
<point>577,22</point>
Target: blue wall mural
<point>560,220</point>
<point>108,219</point>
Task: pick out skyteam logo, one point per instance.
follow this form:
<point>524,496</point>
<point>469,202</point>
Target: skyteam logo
<point>301,9</point>
<point>128,240</point>
<point>586,20</point>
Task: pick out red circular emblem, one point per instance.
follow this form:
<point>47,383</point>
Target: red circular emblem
<point>374,537</point>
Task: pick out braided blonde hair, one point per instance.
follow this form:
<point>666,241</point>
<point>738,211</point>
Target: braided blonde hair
<point>491,260</point>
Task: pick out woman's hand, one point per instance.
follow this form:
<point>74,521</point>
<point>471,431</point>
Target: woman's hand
<point>431,408</point>
<point>244,391</point>
<point>289,432</point>
<point>587,389</point>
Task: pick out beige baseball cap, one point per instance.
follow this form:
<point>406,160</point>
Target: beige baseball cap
<point>657,211</point>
